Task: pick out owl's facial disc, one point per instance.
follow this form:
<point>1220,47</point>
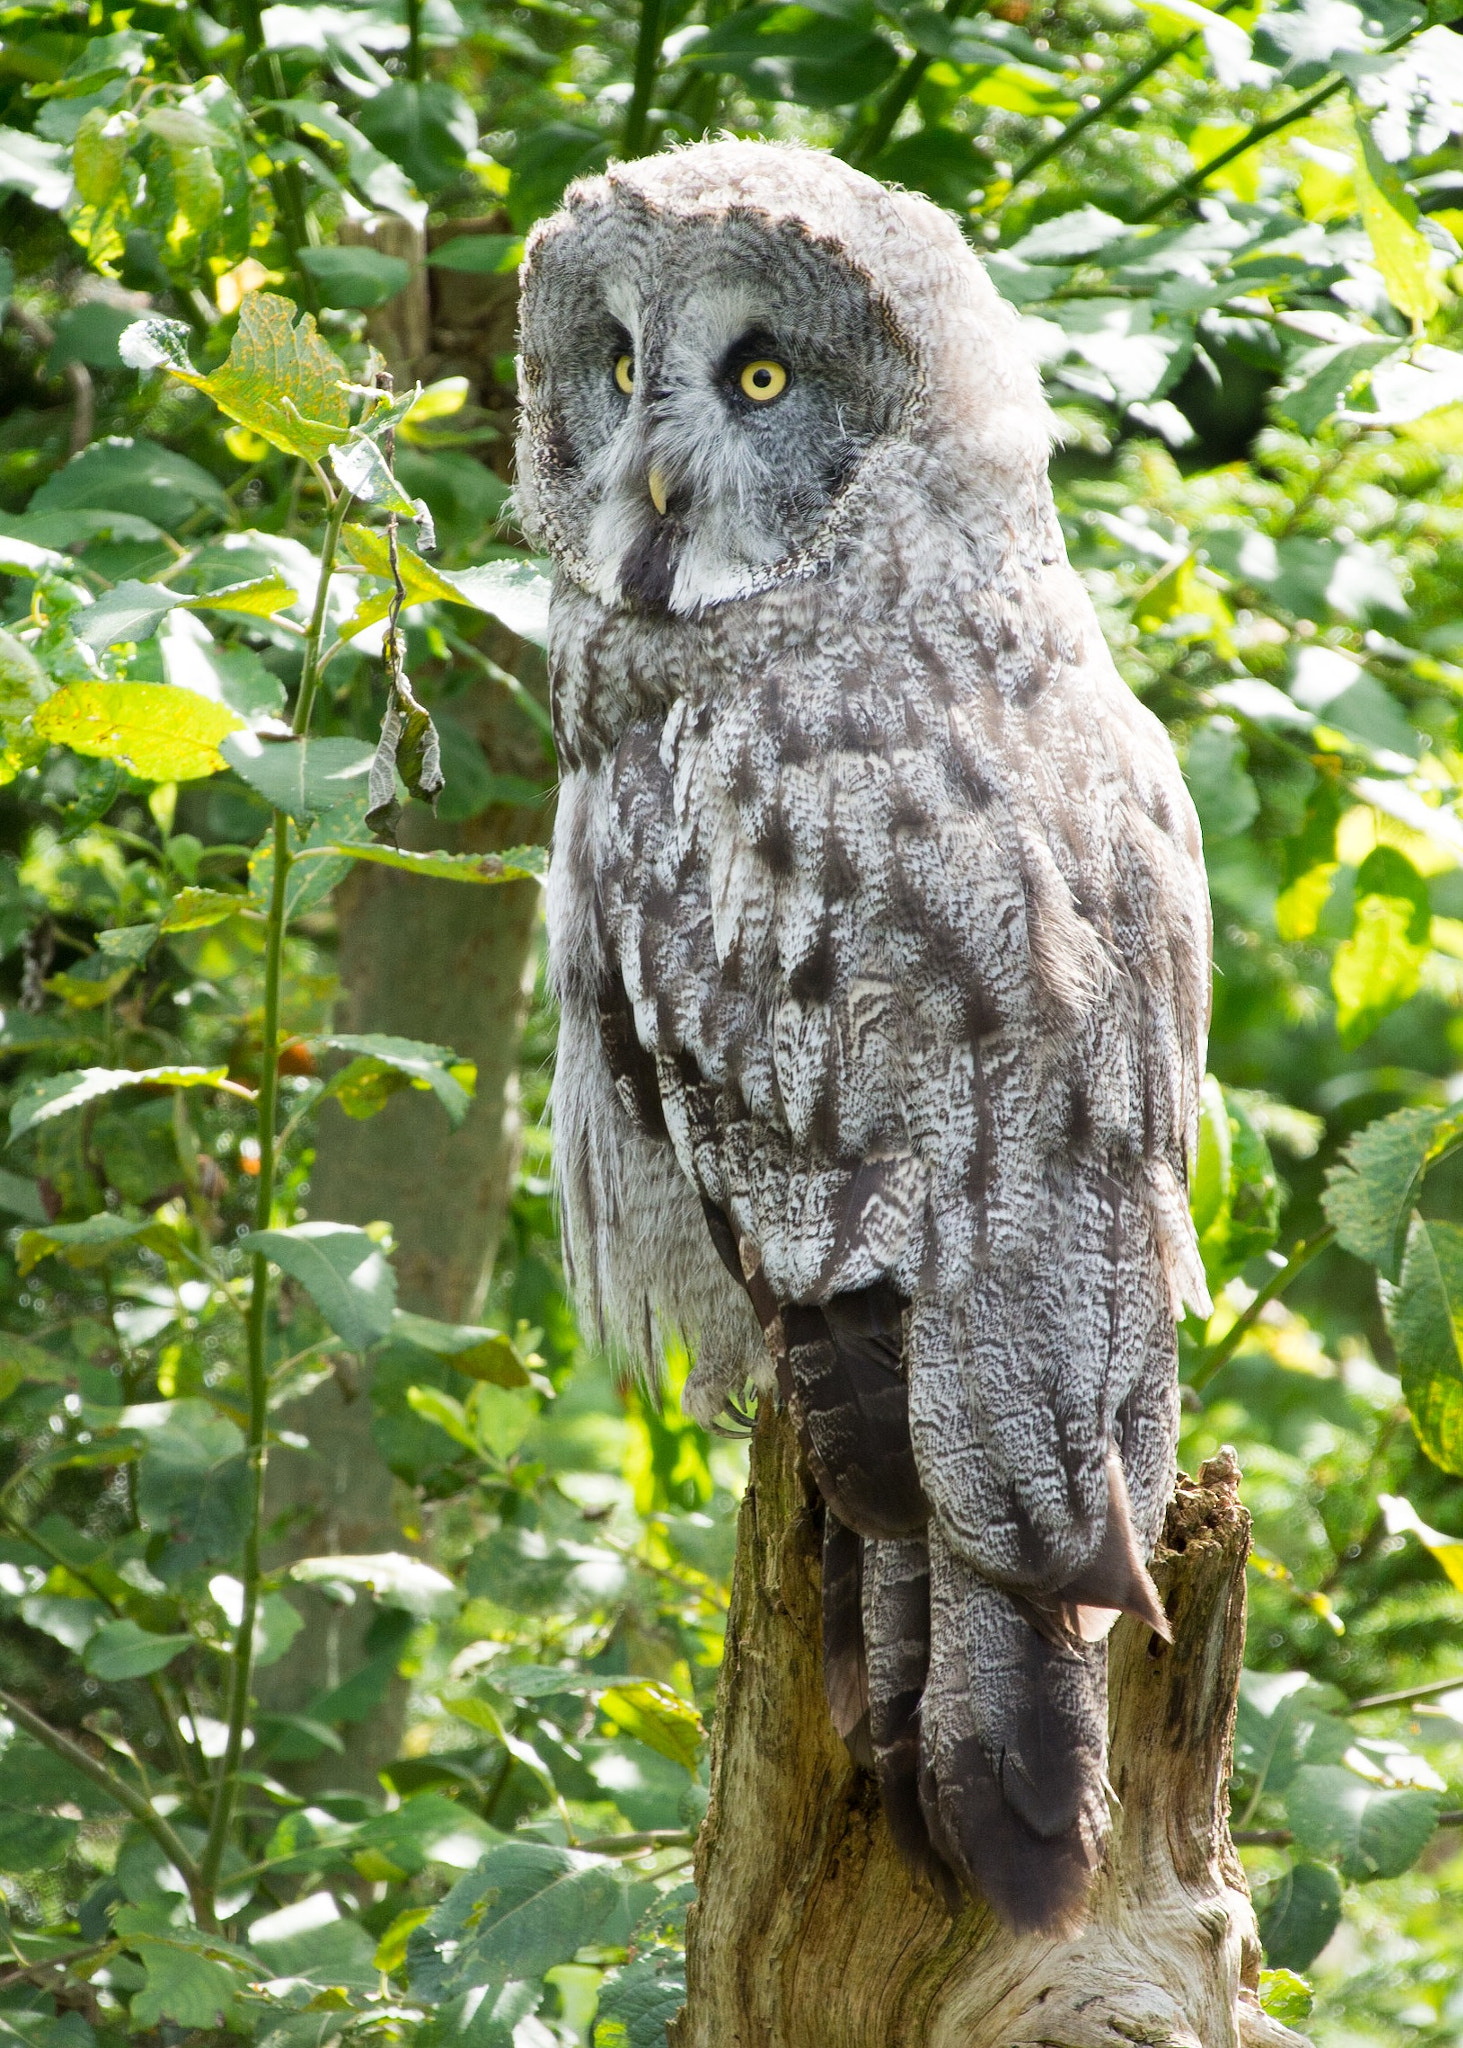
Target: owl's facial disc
<point>700,391</point>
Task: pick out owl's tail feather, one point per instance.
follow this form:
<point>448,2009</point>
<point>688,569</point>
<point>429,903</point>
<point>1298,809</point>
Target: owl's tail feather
<point>845,1664</point>
<point>841,1375</point>
<point>1012,1749</point>
<point>1115,1579</point>
<point>896,1609</point>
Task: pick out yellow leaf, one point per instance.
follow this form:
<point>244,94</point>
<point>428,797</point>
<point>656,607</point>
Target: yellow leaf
<point>1298,908</point>
<point>1242,176</point>
<point>159,733</point>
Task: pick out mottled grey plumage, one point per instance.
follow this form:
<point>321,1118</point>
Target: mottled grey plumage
<point>879,926</point>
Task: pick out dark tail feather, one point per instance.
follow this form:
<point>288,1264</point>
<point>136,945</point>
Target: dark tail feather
<point>845,1385</point>
<point>897,1639</point>
<point>845,1668</point>
<point>1013,1743</point>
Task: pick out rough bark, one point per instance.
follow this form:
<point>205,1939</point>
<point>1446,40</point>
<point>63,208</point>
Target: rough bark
<point>808,1933</point>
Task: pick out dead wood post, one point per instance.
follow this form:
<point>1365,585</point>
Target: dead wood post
<point>808,1933</point>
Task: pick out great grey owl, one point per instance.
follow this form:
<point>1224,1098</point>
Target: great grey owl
<point>879,928</point>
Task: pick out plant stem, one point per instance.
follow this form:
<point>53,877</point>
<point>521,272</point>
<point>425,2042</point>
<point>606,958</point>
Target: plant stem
<point>122,1793</point>
<point>1215,1355</point>
<point>414,41</point>
<point>1114,97</point>
<point>647,56</point>
<point>310,673</point>
<point>224,1792</point>
<point>288,185</point>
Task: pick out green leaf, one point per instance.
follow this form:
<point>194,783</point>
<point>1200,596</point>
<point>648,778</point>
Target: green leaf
<point>793,53</point>
<point>1372,1191</point>
<point>120,1649</point>
<point>526,1907</point>
<point>310,1943</point>
<point>638,2002</point>
<point>356,276</point>
<point>307,778</point>
<point>516,864</point>
<point>436,1067</point>
<point>192,910</point>
<point>1402,251</point>
<point>392,1578</point>
<point>129,942</point>
<point>1299,1915</point>
<point>95,1241</point>
<point>426,128</point>
<point>1380,966</point>
<point>1284,1720</point>
<point>1367,1830</point>
<point>366,474</point>
<point>478,255</point>
<point>344,1272</point>
<point>34,1841</point>
<point>182,1985</point>
<point>21,1197</point>
<point>39,1102</point>
<point>1285,1997</point>
<point>131,611</point>
<point>159,733</point>
<point>1224,796</point>
<point>24,688</point>
<point>1424,1314</point>
<point>373,175</point>
<point>281,380</point>
<point>425,1829</point>
<point>481,1354</point>
<point>516,593</point>
<point>657,1716</point>
<point>132,477</point>
<point>258,597</point>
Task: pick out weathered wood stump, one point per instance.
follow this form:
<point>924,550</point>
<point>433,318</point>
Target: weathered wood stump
<point>808,1933</point>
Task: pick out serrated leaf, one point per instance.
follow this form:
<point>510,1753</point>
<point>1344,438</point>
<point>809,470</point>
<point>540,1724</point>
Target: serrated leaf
<point>1300,1914</point>
<point>58,1094</point>
<point>1424,1314</point>
<point>394,1579</point>
<point>281,380</point>
<point>1368,1831</point>
<point>525,1908</point>
<point>120,1649</point>
<point>1370,1194</point>
<point>516,864</point>
<point>657,1716</point>
<point>159,733</point>
<point>344,1272</point>
<point>1379,967</point>
<point>307,778</point>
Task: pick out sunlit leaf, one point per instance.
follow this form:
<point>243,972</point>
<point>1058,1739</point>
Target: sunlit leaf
<point>38,1102</point>
<point>280,380</point>
<point>526,1907</point>
<point>158,733</point>
<point>517,864</point>
<point>657,1716</point>
<point>395,1580</point>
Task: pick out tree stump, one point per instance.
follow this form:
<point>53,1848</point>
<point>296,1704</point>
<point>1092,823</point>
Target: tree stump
<point>808,1932</point>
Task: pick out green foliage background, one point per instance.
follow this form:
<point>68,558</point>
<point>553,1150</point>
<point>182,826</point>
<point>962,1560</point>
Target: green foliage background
<point>1232,235</point>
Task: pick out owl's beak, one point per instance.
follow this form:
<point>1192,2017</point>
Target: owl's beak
<point>655,484</point>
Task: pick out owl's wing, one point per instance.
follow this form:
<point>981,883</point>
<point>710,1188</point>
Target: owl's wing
<point>921,969</point>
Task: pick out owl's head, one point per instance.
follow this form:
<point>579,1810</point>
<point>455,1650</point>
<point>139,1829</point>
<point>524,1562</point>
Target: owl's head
<point>731,356</point>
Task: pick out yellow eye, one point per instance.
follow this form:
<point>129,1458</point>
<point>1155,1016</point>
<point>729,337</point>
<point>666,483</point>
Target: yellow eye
<point>625,374</point>
<point>764,380</point>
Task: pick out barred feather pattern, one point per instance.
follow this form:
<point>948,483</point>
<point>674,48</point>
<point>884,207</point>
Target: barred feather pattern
<point>879,927</point>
